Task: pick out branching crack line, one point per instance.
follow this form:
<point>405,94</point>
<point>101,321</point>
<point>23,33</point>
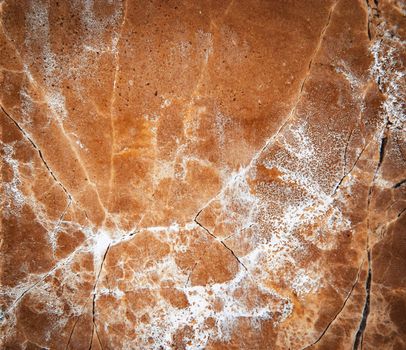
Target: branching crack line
<point>302,85</point>
<point>94,326</point>
<point>365,313</point>
<point>360,333</point>
<point>65,261</point>
<point>204,228</point>
<point>292,112</point>
<point>340,310</point>
<point>381,156</point>
<point>71,332</point>
<point>219,240</point>
<point>347,173</point>
<point>350,170</point>
<point>73,327</point>
<point>68,259</point>
<point>384,141</point>
<point>25,292</point>
<point>60,124</point>
<point>58,265</point>
<point>98,339</point>
<point>25,134</point>
<point>273,137</point>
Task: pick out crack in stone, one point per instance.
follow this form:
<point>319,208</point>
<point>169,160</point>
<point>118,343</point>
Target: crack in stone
<point>382,147</point>
<point>98,339</point>
<point>235,256</point>
<point>40,89</point>
<point>299,96</point>
<point>372,14</point>
<point>384,140</point>
<point>25,134</point>
<point>219,240</point>
<point>270,141</point>
<point>204,228</point>
<point>73,328</point>
<point>345,174</point>
<point>401,212</point>
<point>60,264</point>
<point>383,144</point>
<point>340,310</point>
<point>368,20</point>
<point>360,333</point>
<point>65,261</point>
<point>94,326</point>
<point>350,170</point>
<point>346,149</point>
<point>290,115</point>
<point>366,310</point>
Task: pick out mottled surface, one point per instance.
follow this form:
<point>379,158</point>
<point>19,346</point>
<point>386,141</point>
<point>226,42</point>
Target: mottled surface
<point>203,174</point>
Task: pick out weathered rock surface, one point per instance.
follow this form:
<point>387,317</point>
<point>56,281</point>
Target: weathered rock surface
<point>203,174</point>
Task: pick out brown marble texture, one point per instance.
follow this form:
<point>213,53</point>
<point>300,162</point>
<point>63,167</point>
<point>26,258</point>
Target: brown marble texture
<point>203,174</point>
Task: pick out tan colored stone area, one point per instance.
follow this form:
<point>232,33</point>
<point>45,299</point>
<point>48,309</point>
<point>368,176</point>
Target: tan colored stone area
<point>203,174</point>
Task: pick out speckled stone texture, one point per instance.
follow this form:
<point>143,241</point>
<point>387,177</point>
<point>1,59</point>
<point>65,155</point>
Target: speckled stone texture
<point>203,174</point>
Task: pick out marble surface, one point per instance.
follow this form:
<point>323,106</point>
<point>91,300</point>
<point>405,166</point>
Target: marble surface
<point>203,174</point>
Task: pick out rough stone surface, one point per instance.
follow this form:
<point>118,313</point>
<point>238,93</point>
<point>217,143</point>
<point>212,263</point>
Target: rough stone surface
<point>203,174</point>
